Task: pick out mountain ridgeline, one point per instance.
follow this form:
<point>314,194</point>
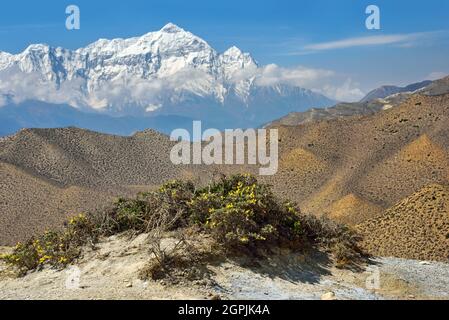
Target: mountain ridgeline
<point>383,98</point>
<point>140,82</point>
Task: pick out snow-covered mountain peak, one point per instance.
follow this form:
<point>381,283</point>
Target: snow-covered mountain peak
<point>166,71</point>
<point>37,47</point>
<point>171,28</point>
<point>4,58</point>
<point>233,51</point>
<point>171,40</point>
<point>237,64</point>
<point>234,54</point>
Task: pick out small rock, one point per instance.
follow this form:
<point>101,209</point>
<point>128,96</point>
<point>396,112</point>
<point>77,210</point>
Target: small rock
<point>328,296</point>
<point>424,263</point>
<point>128,285</point>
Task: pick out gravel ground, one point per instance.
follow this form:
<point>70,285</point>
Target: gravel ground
<point>432,278</point>
<point>111,272</point>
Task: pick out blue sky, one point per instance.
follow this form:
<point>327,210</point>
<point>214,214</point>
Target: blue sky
<point>412,45</point>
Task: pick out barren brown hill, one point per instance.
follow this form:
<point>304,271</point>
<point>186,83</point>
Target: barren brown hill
<point>380,158</point>
<point>437,87</point>
<point>73,156</point>
<point>351,209</point>
<point>29,205</point>
<point>415,228</point>
<point>383,98</point>
<point>49,174</point>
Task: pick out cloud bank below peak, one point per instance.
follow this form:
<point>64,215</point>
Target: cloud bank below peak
<point>326,82</point>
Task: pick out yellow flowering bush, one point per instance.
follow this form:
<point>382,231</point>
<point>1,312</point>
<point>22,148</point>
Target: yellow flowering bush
<point>55,248</point>
<point>239,213</point>
<point>35,253</point>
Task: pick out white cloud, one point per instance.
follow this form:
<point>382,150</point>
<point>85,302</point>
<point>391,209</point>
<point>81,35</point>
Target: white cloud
<point>298,76</point>
<point>30,86</point>
<point>402,40</point>
<point>357,42</point>
<point>116,94</point>
<point>3,100</point>
<point>153,107</point>
<point>347,92</point>
<point>148,95</point>
<point>436,75</point>
<point>323,81</point>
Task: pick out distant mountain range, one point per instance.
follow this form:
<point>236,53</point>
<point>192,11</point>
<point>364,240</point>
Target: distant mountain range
<point>375,101</point>
<point>386,91</point>
<point>38,114</point>
<point>120,85</point>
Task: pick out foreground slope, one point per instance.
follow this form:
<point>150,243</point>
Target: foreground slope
<point>111,272</point>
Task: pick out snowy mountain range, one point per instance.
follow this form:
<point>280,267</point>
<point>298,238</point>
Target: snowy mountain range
<point>170,72</point>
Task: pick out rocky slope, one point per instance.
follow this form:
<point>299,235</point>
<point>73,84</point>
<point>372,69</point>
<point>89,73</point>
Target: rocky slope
<point>29,204</point>
<point>79,157</point>
<point>50,174</point>
<point>437,87</point>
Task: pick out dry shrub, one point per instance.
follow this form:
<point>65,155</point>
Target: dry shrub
<point>340,240</point>
<point>174,256</point>
<point>181,261</point>
<point>164,257</point>
<point>241,216</point>
<point>140,213</point>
